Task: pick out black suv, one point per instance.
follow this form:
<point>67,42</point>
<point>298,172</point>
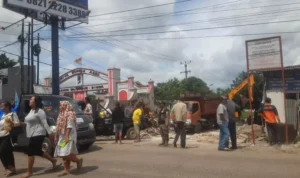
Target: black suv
<point>86,134</point>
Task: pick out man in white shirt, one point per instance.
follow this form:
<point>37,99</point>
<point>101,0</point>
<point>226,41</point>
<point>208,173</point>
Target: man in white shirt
<point>222,119</point>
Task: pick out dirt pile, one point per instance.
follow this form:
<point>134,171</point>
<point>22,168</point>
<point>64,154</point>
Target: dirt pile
<point>244,135</point>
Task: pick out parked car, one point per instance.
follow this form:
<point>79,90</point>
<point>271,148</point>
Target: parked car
<point>86,134</point>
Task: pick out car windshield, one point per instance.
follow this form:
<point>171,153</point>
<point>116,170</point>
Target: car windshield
<point>51,104</point>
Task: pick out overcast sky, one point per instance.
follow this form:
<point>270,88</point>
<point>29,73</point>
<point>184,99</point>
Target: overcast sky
<point>147,54</point>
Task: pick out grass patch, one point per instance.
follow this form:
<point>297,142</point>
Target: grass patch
<point>245,114</point>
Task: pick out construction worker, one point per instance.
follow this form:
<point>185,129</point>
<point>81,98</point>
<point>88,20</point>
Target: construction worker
<point>163,121</point>
<point>232,108</point>
<point>270,114</point>
<point>179,114</point>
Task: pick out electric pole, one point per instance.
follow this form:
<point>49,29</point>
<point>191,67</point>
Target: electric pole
<point>186,71</point>
<point>28,59</point>
<point>36,52</point>
<point>32,79</point>
<point>55,55</point>
<point>21,59</point>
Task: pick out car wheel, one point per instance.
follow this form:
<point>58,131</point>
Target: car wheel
<point>130,134</point>
<point>198,127</point>
<point>47,146</point>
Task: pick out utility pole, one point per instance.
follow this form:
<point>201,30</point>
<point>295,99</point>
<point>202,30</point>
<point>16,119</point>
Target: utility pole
<point>36,52</point>
<point>186,71</point>
<point>32,79</point>
<point>55,55</point>
<point>21,59</point>
<point>38,63</point>
<point>28,59</point>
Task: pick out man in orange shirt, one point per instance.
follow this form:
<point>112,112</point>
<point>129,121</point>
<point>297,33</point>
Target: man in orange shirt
<point>270,114</point>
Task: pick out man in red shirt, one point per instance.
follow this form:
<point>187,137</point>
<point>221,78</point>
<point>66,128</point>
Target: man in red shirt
<point>270,114</point>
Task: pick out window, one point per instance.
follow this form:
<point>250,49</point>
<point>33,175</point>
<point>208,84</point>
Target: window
<point>5,81</point>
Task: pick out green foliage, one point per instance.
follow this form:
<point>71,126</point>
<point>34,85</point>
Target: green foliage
<point>172,89</point>
<point>5,62</point>
<point>92,97</point>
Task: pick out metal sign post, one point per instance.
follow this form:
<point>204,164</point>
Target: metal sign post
<point>266,54</point>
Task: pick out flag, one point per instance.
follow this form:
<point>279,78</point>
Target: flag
<point>78,61</point>
<point>16,98</point>
<point>15,109</point>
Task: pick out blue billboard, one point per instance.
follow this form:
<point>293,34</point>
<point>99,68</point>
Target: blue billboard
<point>292,80</point>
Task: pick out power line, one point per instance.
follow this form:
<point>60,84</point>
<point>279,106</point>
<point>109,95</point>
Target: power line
<point>160,26</point>
<point>130,10</point>
<point>13,43</point>
<point>163,14</point>
<point>187,30</point>
<point>110,44</point>
<point>225,10</point>
<point>250,20</point>
<point>33,60</point>
<point>147,15</point>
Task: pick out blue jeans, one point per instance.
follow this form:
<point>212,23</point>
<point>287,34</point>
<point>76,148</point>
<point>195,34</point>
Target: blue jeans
<point>224,135</point>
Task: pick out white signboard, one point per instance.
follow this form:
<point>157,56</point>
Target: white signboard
<point>39,89</point>
<point>60,8</point>
<point>264,54</point>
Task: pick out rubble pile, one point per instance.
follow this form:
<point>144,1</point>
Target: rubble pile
<point>244,135</point>
<point>150,132</point>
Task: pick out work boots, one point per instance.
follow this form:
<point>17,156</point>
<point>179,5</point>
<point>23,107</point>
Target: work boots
<point>162,143</point>
<point>166,143</point>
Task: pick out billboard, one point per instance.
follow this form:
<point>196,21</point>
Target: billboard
<point>264,54</point>
<point>291,77</point>
<point>76,10</point>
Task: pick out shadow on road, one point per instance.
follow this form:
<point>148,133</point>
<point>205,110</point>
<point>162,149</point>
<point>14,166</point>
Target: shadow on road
<point>84,170</point>
<point>93,148</point>
<point>24,170</point>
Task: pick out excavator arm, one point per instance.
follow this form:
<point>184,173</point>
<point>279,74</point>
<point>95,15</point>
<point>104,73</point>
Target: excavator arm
<point>237,89</point>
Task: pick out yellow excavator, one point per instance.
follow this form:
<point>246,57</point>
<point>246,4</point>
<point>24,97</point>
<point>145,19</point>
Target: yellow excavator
<point>237,89</point>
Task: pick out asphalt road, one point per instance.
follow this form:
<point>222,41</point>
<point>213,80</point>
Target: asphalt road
<point>147,160</point>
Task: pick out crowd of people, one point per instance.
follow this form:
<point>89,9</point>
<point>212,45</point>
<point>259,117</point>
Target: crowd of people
<point>65,137</point>
<point>227,121</point>
<point>37,129</point>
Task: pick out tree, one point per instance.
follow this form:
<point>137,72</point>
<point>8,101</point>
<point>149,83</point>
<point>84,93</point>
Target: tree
<point>5,62</point>
<point>172,89</point>
<point>169,90</point>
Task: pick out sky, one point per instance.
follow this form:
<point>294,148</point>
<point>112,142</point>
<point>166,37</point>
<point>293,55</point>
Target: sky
<point>164,36</point>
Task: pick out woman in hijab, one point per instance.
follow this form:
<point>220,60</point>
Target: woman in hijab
<point>66,137</point>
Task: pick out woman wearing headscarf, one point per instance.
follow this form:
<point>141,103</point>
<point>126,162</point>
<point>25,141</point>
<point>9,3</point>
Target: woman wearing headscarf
<point>36,130</point>
<point>7,122</point>
<point>66,137</point>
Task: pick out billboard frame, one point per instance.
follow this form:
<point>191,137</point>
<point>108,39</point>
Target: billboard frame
<point>34,14</point>
<point>260,39</point>
<point>59,8</point>
<point>264,69</point>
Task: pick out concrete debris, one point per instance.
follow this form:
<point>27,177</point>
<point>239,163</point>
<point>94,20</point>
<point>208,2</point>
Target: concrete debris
<point>244,135</point>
